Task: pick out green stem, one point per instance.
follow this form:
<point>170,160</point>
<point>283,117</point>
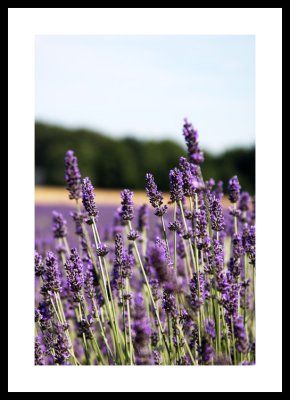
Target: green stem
<point>110,353</point>
<point>186,230</point>
<point>234,341</point>
<point>164,235</point>
<point>129,324</point>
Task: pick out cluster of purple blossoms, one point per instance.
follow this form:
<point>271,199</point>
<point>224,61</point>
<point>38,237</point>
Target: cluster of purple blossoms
<point>143,217</point>
<point>176,185</point>
<point>195,155</point>
<point>197,293</point>
<point>155,196</point>
<point>210,328</point>
<point>72,176</point>
<point>127,264</point>
<point>52,281</point>
<point>234,189</point>
<point>38,352</point>
<point>249,243</point>
<point>164,272</point>
<point>75,274</point>
<point>127,210</point>
<point>59,225</point>
<point>206,352</point>
<point>102,250</point>
<point>216,213</point>
<point>240,336</point>
<point>141,332</point>
<point>39,266</point>
<point>89,198</point>
<point>189,177</point>
<point>79,218</point>
<point>218,192</point>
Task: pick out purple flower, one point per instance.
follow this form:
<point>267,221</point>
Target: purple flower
<point>59,227</point>
<point>210,328</point>
<point>127,264</point>
<point>229,293</point>
<point>245,199</point>
<point>39,266</point>
<point>61,345</point>
<point>141,332</point>
<point>216,259</point>
<point>89,283</point>
<point>189,177</point>
<point>169,303</point>
<point>142,218</point>
<point>238,249</point>
<point>155,196</point>
<point>160,211</point>
<point>234,267</point>
<point>72,176</point>
<point>75,275</point>
<point>155,288</point>
<point>175,226</point>
<point>210,184</point>
<point>133,235</point>
<point>195,155</point>
<point>118,260</point>
<point>79,218</point>
<point>52,280</point>
<point>176,185</point>
<point>89,198</point>
<point>127,211</point>
<point>180,247</point>
<point>249,243</point>
<point>102,250</point>
<point>158,259</point>
<point>157,357</point>
<point>219,190</point>
<point>216,214</point>
<point>234,189</point>
<point>200,227</point>
<point>197,300</point>
<point>206,352</point>
<point>242,344</point>
<point>38,352</point>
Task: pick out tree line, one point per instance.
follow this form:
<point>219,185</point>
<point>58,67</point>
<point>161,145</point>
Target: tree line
<point>120,163</point>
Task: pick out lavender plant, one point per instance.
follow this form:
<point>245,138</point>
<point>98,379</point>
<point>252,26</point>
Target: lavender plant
<point>177,292</point>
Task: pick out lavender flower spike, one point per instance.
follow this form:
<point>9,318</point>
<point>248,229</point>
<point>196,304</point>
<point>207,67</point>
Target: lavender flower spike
<point>141,332</point>
<point>72,176</point>
<point>176,185</point>
<point>155,196</point>
<point>189,176</point>
<point>195,155</point>
<point>234,189</point>
<point>89,198</point>
<point>75,276</point>
<point>127,210</point>
<point>59,227</point>
<point>39,267</point>
<point>216,214</point>
<point>143,217</point>
<point>52,277</point>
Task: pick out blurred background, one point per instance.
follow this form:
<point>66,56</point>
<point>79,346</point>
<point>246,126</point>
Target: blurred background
<point>119,103</point>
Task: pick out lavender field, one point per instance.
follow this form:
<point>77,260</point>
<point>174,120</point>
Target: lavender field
<point>164,283</point>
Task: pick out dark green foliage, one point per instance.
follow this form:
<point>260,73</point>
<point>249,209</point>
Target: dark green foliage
<point>120,163</point>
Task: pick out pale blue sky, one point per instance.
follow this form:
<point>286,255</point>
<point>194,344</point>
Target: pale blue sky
<point>146,85</point>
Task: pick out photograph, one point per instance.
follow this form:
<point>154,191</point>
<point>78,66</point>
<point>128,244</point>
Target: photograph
<point>145,238</point>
